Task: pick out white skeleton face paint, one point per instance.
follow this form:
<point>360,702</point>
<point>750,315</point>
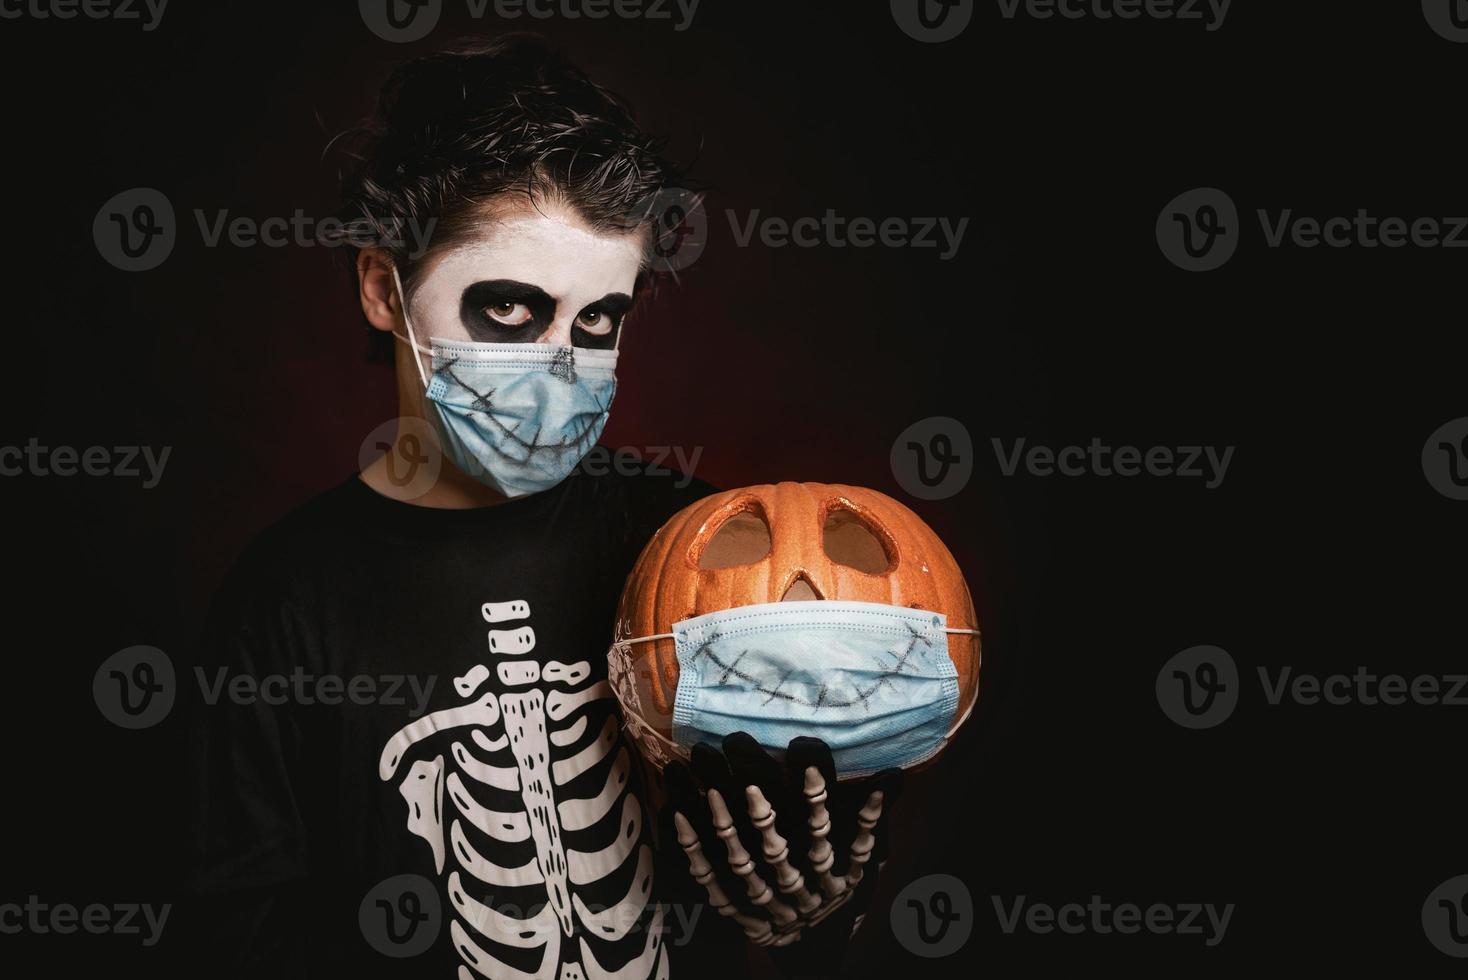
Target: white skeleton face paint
<point>534,276</point>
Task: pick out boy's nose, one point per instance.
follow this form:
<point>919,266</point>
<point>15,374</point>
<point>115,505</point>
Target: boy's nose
<point>557,334</point>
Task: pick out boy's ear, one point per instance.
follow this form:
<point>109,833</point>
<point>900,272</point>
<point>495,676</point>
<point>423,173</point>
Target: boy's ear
<point>380,301</point>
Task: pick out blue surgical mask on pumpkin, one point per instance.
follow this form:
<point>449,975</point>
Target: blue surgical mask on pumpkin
<point>516,417</point>
<point>874,682</point>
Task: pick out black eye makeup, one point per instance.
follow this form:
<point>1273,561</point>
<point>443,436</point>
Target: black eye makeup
<point>596,326</point>
<point>505,311</point>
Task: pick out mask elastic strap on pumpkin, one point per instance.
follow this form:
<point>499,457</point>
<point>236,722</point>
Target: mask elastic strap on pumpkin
<point>410,340</point>
<point>958,722</point>
<point>670,636</point>
<point>644,639</point>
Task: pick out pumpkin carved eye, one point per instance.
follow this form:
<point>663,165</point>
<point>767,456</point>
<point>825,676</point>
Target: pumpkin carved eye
<point>741,540</point>
<point>849,540</point>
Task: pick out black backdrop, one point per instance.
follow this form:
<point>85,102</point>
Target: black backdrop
<point>1059,320</point>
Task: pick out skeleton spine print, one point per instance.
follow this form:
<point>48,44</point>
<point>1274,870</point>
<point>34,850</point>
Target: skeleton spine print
<point>539,770</point>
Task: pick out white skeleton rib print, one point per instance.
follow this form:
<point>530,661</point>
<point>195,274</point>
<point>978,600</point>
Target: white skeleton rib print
<point>545,731</point>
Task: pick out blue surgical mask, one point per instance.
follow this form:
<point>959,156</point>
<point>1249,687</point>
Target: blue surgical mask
<point>516,417</point>
<point>874,682</point>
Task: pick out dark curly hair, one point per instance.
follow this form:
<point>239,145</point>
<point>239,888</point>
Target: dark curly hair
<point>483,118</point>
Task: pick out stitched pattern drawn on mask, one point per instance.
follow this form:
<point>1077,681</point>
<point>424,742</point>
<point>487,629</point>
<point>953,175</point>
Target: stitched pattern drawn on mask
<point>578,443</point>
<point>563,365</point>
<point>873,681</point>
<point>824,698</point>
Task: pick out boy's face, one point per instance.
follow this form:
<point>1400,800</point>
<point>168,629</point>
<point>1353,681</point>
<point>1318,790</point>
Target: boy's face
<point>534,276</point>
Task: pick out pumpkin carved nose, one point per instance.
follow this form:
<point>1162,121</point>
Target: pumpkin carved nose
<point>800,590</point>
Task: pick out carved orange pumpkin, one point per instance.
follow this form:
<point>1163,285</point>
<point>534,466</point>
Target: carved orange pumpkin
<point>790,541</point>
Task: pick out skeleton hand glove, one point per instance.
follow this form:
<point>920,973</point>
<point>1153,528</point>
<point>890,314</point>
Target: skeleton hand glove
<point>785,851</point>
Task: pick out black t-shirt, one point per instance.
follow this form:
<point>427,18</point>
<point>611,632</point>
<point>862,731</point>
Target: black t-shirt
<point>389,690</point>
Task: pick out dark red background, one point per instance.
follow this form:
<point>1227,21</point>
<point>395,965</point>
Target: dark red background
<point>1059,320</point>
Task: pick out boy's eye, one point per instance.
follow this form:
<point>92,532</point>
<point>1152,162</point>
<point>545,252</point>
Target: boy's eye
<point>507,313</point>
<point>595,321</point>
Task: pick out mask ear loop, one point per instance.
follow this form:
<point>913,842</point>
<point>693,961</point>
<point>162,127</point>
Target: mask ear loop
<point>669,636</point>
<point>410,340</point>
<point>644,639</point>
<point>958,722</point>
